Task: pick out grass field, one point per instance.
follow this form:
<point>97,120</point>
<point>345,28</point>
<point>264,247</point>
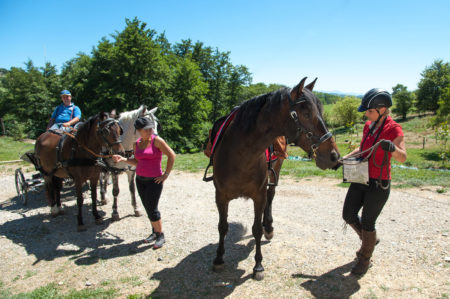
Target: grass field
<point>431,169</point>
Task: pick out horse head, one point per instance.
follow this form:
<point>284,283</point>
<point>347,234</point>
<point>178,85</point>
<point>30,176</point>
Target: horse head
<point>308,130</point>
<point>108,132</point>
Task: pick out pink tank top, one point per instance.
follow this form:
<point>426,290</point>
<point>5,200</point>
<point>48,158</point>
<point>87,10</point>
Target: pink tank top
<point>149,160</point>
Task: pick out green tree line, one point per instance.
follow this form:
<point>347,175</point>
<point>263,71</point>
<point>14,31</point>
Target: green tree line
<point>192,84</point>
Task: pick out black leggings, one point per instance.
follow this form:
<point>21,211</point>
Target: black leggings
<point>149,191</point>
<point>370,198</point>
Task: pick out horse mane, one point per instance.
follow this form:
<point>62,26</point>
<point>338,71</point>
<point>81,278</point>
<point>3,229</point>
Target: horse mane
<point>249,110</point>
<point>84,129</point>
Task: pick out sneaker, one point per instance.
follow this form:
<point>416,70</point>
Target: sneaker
<point>159,241</point>
<point>150,238</point>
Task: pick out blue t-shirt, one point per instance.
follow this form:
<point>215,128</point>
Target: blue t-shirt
<point>63,114</point>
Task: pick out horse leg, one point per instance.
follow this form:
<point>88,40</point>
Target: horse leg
<point>49,191</point>
<point>259,204</point>
<point>104,176</point>
<point>78,188</point>
<point>137,211</point>
<point>267,219</point>
<point>222,206</point>
<point>93,184</point>
<point>115,214</point>
<point>58,186</point>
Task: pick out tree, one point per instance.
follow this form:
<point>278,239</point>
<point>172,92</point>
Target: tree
<point>26,99</point>
<point>403,100</point>
<point>346,112</point>
<point>188,91</point>
<point>239,78</point>
<point>434,80</point>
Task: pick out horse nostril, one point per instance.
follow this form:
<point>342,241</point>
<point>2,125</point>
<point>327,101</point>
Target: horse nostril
<point>334,156</point>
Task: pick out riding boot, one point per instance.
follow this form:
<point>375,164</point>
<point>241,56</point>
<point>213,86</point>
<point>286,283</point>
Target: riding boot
<point>369,240</point>
<point>160,240</point>
<point>357,227</point>
<point>151,238</point>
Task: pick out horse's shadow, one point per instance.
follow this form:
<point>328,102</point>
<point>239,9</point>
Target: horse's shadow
<point>193,276</point>
<point>333,284</point>
<point>48,238</point>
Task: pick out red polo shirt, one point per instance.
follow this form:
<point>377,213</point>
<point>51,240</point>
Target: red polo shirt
<point>390,131</point>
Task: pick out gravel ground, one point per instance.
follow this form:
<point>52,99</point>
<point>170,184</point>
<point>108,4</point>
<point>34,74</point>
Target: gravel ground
<point>310,255</point>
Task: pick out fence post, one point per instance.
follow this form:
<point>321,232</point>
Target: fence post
<point>423,144</point>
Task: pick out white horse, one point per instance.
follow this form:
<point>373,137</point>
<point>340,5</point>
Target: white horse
<point>129,137</point>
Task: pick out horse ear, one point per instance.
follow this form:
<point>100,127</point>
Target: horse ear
<point>152,111</point>
<point>113,113</point>
<point>310,86</point>
<point>103,116</point>
<point>143,110</point>
<point>297,91</point>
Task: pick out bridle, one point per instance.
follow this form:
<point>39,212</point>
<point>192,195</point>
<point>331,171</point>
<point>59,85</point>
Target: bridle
<point>301,129</point>
<point>104,130</point>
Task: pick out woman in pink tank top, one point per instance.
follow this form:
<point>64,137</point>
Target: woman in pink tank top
<point>148,151</point>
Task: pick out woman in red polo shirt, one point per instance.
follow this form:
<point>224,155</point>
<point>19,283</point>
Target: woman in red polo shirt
<point>379,127</point>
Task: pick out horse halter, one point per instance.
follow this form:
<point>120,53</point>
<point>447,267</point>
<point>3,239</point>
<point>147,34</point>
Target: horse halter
<point>301,129</point>
<point>104,129</point>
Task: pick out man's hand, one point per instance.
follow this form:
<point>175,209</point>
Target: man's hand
<point>387,145</point>
<point>67,124</point>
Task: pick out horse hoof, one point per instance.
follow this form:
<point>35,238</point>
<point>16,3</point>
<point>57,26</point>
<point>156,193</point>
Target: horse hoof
<point>267,235</point>
<point>54,211</point>
<point>218,268</point>
<point>103,202</point>
<point>99,221</point>
<point>258,276</point>
<point>81,228</point>
<point>138,213</point>
<point>115,217</point>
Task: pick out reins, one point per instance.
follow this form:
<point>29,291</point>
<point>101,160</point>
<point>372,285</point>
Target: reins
<point>86,148</point>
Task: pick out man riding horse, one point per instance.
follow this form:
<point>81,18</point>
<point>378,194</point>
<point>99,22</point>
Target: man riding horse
<point>66,115</point>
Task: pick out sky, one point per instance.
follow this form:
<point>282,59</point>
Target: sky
<point>351,46</point>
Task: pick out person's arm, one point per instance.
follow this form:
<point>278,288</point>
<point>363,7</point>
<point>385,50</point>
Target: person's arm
<point>356,150</point>
<point>71,122</point>
<point>166,150</point>
<point>119,158</point>
<point>400,149</point>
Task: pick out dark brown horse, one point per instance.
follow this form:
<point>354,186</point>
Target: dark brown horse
<point>77,158</point>
<point>296,114</point>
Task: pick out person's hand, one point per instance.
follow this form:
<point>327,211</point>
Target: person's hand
<point>66,124</point>
<point>118,158</point>
<point>162,178</point>
<point>387,145</point>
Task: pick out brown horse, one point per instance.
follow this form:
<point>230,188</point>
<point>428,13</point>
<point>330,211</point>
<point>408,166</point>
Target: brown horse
<point>296,114</point>
<point>76,158</point>
<point>273,169</point>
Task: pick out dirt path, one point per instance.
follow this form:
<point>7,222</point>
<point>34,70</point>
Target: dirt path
<point>309,256</point>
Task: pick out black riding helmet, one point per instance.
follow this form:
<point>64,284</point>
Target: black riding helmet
<point>375,98</point>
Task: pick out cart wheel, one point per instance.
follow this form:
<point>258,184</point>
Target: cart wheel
<point>21,187</point>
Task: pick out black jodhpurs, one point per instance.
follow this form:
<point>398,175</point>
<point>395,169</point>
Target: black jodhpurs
<point>149,192</point>
<point>370,198</point>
